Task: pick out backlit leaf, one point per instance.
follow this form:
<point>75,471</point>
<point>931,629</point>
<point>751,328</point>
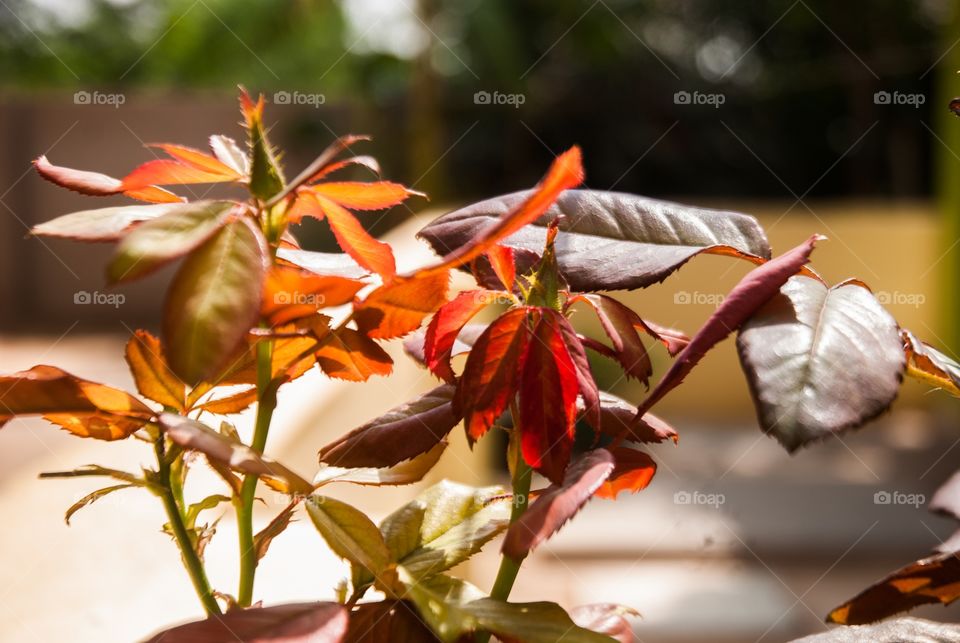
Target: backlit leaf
<point>230,404</point>
<point>445,326</point>
<point>356,195</point>
<point>585,382</point>
<point>323,263</point>
<point>203,161</point>
<point>753,291</point>
<point>620,324</point>
<point>400,434</point>
<point>565,172</point>
<point>214,300</point>
<point>96,184</point>
<point>559,503</point>
<point>820,360</point>
<point>414,343</point>
<point>502,262</point>
<point>104,224</point>
<point>266,177</point>
<point>264,537</point>
<point>294,623</point>
<point>230,154</point>
<point>86,408</point>
<point>926,363</point>
<point>157,242</point>
<point>92,497</point>
<point>153,377</point>
<point>349,533</point>
<point>399,307</point>
<point>373,255</point>
<point>610,240</point>
<point>618,417</point>
<point>632,471</point>
<point>349,355</point>
<point>290,293</point>
<point>406,472</point>
<point>606,618</point>
<point>172,172</point>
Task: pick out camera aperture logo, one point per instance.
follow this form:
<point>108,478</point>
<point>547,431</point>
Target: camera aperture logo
<point>498,98</point>
<point>714,100</point>
<point>84,97</point>
<point>299,98</point>
<point>97,298</point>
<point>914,500</point>
<point>699,498</point>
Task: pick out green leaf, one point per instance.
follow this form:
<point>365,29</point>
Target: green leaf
<point>103,224</point>
<point>349,533</point>
<point>90,498</point>
<point>214,300</point>
<point>159,241</point>
<point>453,608</point>
<point>820,360</point>
<point>444,526</point>
<point>210,502</point>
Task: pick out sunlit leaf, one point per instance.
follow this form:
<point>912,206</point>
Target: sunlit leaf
<point>414,343</point>
<point>266,177</point>
<point>153,377</point>
<point>263,539</point>
<point>620,324</point>
<point>230,404</point>
<point>90,498</point>
<point>926,363</point>
<point>104,224</point>
<point>294,623</point>
<point>559,503</point>
<point>349,533</point>
<point>399,307</point>
<point>205,162</point>
<point>820,360</point>
<point>633,470</point>
<point>337,264</point>
<point>96,184</point>
<point>405,472</point>
<point>85,408</point>
<point>349,355</point>
<point>370,253</point>
<point>610,240</point>
<point>356,195</point>
<point>618,417</point>
<point>445,326</point>
<point>173,172</point>
<point>503,263</point>
<point>214,300</point>
<point>399,434</point>
<point>606,618</point>
<point>290,293</point>
<point>230,154</point>
<point>157,242</point>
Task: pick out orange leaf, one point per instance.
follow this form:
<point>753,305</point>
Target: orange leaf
<point>632,472</point>
<point>349,355</point>
<point>171,172</point>
<point>153,377</point>
<point>305,205</point>
<point>446,325</point>
<point>232,403</point>
<point>199,160</point>
<point>365,196</point>
<point>399,307</point>
<point>565,172</point>
<point>100,426</point>
<point>284,359</point>
<point>96,184</point>
<point>492,371</point>
<point>502,262</point>
<point>291,293</point>
<point>368,252</point>
<point>50,391</point>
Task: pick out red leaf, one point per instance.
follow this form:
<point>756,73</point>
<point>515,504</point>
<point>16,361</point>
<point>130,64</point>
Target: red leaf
<point>368,252</point>
<point>400,434</point>
<point>502,261</point>
<point>619,416</point>
<point>674,340</point>
<point>357,195</point>
<point>620,324</point>
<point>548,400</point>
<point>492,371</point>
<point>585,382</point>
<point>446,325</point>
<point>96,184</point>
<point>565,172</point>
<point>748,296</point>
<point>399,307</point>
<point>294,623</point>
<point>632,472</point>
<point>558,504</point>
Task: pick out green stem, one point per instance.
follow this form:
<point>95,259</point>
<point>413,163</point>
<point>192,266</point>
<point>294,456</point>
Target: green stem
<point>266,403</point>
<point>509,567</point>
<point>188,553</point>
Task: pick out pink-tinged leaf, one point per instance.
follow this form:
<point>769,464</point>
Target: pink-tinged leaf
<point>399,307</point>
<point>565,172</point>
<point>103,224</point>
<point>548,400</point>
<point>400,434</point>
<point>633,470</point>
<point>85,408</point>
<point>361,160</point>
<point>753,291</point>
<point>405,472</point>
<point>294,623</point>
<point>373,255</point>
<point>558,504</point>
<point>393,621</point>
<point>585,382</point>
<point>220,449</point>
<point>620,324</point>
<point>492,372</point>
<point>502,261</point>
<point>357,195</point>
<point>674,340</point>
<point>619,417</point>
<point>446,324</point>
<point>97,184</point>
<point>606,618</point>
<point>214,300</point>
<point>230,154</point>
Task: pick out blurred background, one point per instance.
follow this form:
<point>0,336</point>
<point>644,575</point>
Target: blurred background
<point>814,116</point>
